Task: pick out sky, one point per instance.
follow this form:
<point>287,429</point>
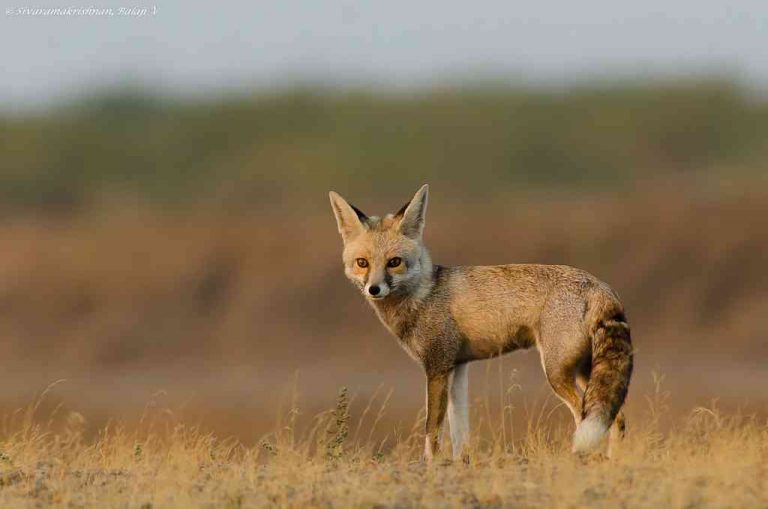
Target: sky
<point>186,48</point>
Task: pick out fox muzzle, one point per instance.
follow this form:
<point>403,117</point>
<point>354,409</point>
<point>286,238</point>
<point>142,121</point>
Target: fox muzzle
<point>376,290</point>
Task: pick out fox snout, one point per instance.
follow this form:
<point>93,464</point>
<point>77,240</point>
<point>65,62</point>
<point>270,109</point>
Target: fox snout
<point>377,290</point>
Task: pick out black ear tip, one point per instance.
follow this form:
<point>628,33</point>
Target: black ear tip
<point>360,214</point>
<point>402,210</point>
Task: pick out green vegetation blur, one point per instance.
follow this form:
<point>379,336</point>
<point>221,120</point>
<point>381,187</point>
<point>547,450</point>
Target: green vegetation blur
<point>288,144</point>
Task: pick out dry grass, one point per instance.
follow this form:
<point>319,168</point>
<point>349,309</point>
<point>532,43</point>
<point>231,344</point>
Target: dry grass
<point>705,460</point>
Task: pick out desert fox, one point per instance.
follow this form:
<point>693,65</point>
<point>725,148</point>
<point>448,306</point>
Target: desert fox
<point>445,317</point>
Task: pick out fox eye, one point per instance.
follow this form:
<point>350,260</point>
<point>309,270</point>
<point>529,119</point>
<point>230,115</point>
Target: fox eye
<point>362,263</point>
<point>394,262</point>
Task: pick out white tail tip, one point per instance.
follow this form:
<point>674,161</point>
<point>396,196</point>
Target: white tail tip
<point>589,433</point>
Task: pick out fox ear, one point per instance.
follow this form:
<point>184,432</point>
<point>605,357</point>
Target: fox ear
<point>413,213</point>
<point>349,218</point>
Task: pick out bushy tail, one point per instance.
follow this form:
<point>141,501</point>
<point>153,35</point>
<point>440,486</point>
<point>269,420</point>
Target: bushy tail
<point>608,381</point>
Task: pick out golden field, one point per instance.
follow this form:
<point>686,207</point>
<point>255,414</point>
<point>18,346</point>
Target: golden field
<point>706,459</point>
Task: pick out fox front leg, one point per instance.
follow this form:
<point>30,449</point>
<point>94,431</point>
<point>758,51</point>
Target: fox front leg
<point>437,403</point>
<point>458,411</point>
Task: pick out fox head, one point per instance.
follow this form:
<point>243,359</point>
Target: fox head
<point>384,256</point>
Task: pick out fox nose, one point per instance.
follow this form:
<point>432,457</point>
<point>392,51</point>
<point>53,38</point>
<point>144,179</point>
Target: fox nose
<point>374,290</point>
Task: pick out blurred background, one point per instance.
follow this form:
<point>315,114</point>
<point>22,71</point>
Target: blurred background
<point>165,233</point>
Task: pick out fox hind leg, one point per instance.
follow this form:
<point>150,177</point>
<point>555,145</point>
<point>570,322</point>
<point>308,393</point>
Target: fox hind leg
<point>561,375</point>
